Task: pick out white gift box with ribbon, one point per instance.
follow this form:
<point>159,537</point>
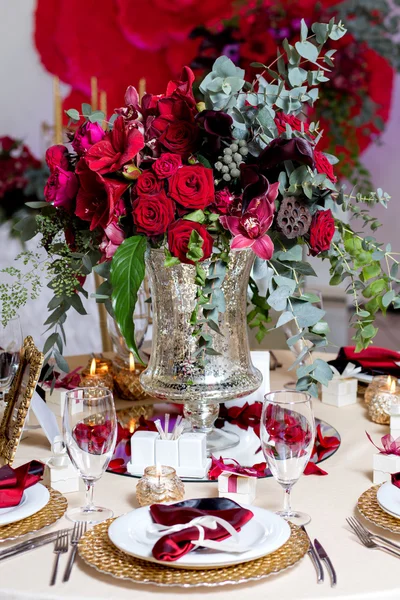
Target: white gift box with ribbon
<point>384,465</point>
<point>237,487</point>
<point>59,472</point>
<point>342,389</point>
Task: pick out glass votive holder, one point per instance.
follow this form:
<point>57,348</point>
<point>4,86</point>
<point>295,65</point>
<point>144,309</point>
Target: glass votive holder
<point>97,375</point>
<point>377,382</point>
<point>158,485</point>
<point>385,397</point>
<point>127,380</point>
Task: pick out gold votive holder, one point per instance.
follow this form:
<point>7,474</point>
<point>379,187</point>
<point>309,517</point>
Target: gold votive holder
<point>382,400</point>
<point>127,382</point>
<point>102,365</point>
<point>159,484</point>
<point>377,382</point>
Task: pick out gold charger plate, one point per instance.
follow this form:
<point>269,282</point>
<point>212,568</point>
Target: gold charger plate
<point>48,515</point>
<point>98,551</point>
<point>369,507</point>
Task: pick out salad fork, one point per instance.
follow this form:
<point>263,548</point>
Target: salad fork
<point>366,540</point>
<point>60,547</point>
<point>77,532</point>
<point>375,535</point>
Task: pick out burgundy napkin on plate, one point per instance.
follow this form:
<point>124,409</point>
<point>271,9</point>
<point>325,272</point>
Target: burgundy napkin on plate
<point>374,360</point>
<point>171,547</point>
<point>13,482</point>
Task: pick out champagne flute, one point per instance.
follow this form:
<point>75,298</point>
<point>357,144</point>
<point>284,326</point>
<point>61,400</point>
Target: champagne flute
<point>10,352</point>
<point>90,433</point>
<point>287,440</point>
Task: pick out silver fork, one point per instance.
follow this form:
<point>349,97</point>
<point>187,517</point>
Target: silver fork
<point>375,535</point>
<point>79,529</point>
<point>366,539</point>
<point>60,547</point>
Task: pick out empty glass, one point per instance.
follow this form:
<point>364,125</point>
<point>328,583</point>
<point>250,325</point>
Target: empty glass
<point>287,439</point>
<point>10,352</point>
<point>90,432</point>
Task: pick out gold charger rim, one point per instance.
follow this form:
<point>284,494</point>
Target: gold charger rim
<point>112,561</point>
<point>45,517</point>
<point>369,507</point>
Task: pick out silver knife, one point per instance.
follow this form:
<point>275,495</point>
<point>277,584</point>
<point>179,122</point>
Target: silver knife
<point>314,558</point>
<point>29,544</point>
<point>327,562</point>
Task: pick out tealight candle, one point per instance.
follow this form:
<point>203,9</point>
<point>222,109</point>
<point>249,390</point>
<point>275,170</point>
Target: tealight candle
<point>127,381</point>
<point>93,377</point>
<point>385,398</point>
<point>158,485</point>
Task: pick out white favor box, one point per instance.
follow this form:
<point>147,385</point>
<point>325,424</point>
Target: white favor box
<point>64,478</point>
<point>245,491</point>
<point>381,477</point>
<point>388,463</point>
<point>395,426</point>
<point>56,400</point>
<point>340,392</point>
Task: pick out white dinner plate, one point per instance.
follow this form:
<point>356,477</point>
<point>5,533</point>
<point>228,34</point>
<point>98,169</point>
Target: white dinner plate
<point>33,500</point>
<point>264,533</point>
<point>388,497</point>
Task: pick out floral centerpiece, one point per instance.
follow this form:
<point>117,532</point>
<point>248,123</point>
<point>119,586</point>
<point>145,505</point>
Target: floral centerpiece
<point>239,169</point>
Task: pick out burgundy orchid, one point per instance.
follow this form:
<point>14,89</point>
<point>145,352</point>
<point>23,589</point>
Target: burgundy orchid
<point>250,229</point>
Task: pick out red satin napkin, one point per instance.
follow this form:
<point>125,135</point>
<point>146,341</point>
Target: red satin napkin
<point>171,547</point>
<point>374,359</point>
<point>13,482</point>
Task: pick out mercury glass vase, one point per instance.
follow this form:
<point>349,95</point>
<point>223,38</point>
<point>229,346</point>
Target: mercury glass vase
<point>176,372</point>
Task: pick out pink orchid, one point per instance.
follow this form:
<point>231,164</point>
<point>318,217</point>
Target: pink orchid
<point>250,229</point>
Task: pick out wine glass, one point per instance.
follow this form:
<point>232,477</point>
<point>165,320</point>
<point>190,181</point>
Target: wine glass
<point>287,440</point>
<point>90,433</point>
<point>10,352</point>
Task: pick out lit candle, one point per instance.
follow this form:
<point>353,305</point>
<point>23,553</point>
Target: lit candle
<point>385,401</point>
<point>158,474</point>
<point>94,92</point>
<point>127,381</point>
<point>132,425</point>
<point>97,377</point>
<point>57,111</point>
<point>142,87</point>
<point>103,107</point>
<point>159,484</point>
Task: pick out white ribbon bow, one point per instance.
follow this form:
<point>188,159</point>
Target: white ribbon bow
<point>350,371</point>
<point>157,531</point>
<point>59,460</point>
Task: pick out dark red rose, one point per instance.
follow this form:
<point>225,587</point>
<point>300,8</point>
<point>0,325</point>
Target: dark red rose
<point>87,135</point>
<point>218,127</point>
<point>223,202</point>
<point>192,187</point>
<point>167,165</point>
<point>297,149</point>
<point>321,231</point>
<point>281,119</point>
<point>97,196</point>
<point>61,189</point>
<point>147,184</point>
<point>180,137</point>
<point>153,214</point>
<point>323,165</point>
<point>178,239</point>
<point>118,147</point>
<point>57,156</point>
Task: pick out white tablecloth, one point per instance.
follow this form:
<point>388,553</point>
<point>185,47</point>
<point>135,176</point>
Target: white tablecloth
<point>362,573</point>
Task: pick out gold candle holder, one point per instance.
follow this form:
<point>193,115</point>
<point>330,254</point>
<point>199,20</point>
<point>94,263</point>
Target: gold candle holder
<point>127,383</point>
<point>382,400</point>
<point>158,485</point>
<point>379,381</point>
<point>94,377</point>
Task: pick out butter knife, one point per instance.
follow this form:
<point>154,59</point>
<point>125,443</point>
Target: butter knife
<point>327,562</point>
<point>314,558</point>
<point>31,544</point>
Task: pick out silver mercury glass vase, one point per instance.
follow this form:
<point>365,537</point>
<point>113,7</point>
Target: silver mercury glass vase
<point>175,372</point>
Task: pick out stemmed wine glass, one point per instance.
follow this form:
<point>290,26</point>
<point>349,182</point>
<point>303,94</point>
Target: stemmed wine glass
<point>90,433</point>
<point>10,352</point>
<point>287,440</point>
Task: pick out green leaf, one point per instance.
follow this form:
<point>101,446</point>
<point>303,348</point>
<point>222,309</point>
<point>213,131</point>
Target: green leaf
<point>72,113</point>
<point>36,204</point>
<point>321,32</point>
<point>76,302</point>
<point>284,318</point>
<point>212,352</point>
<point>103,269</point>
<point>127,274</point>
<point>278,298</point>
<point>214,326</point>
<point>197,216</point>
<point>303,31</point>
<point>203,161</point>
<point>321,328</point>
<point>86,109</point>
<point>97,116</point>
<point>307,315</point>
<point>388,298</point>
<point>54,338</point>
<point>307,50</point>
<point>296,75</point>
<point>375,288</point>
<point>27,228</point>
<point>371,271</point>
<point>61,362</point>
<point>195,247</point>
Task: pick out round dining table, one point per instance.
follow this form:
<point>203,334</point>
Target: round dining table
<point>362,573</point>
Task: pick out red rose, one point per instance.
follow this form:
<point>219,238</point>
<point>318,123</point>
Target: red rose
<point>281,119</point>
<point>321,232</point>
<point>167,165</point>
<point>178,239</point>
<point>97,196</point>
<point>153,214</point>
<point>87,135</point>
<point>223,202</point>
<point>61,189</point>
<point>148,184</point>
<point>192,187</point>
<point>323,165</point>
<point>118,147</point>
<point>181,137</point>
<point>57,156</point>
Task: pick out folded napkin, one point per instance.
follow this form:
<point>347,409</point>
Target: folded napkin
<point>13,482</point>
<point>172,546</point>
<point>375,360</point>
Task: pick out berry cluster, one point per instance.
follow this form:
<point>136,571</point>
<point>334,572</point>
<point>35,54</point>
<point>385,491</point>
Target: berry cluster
<point>232,158</point>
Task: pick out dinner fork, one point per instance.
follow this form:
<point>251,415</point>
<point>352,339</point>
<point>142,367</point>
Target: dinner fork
<point>375,535</point>
<point>77,532</point>
<point>60,547</point>
<point>366,539</point>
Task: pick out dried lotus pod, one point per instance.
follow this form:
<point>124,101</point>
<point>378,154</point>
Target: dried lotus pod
<point>294,217</point>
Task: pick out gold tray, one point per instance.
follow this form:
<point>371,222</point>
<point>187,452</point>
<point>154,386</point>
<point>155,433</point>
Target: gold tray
<point>369,507</point>
<point>48,515</point>
<point>97,551</point>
